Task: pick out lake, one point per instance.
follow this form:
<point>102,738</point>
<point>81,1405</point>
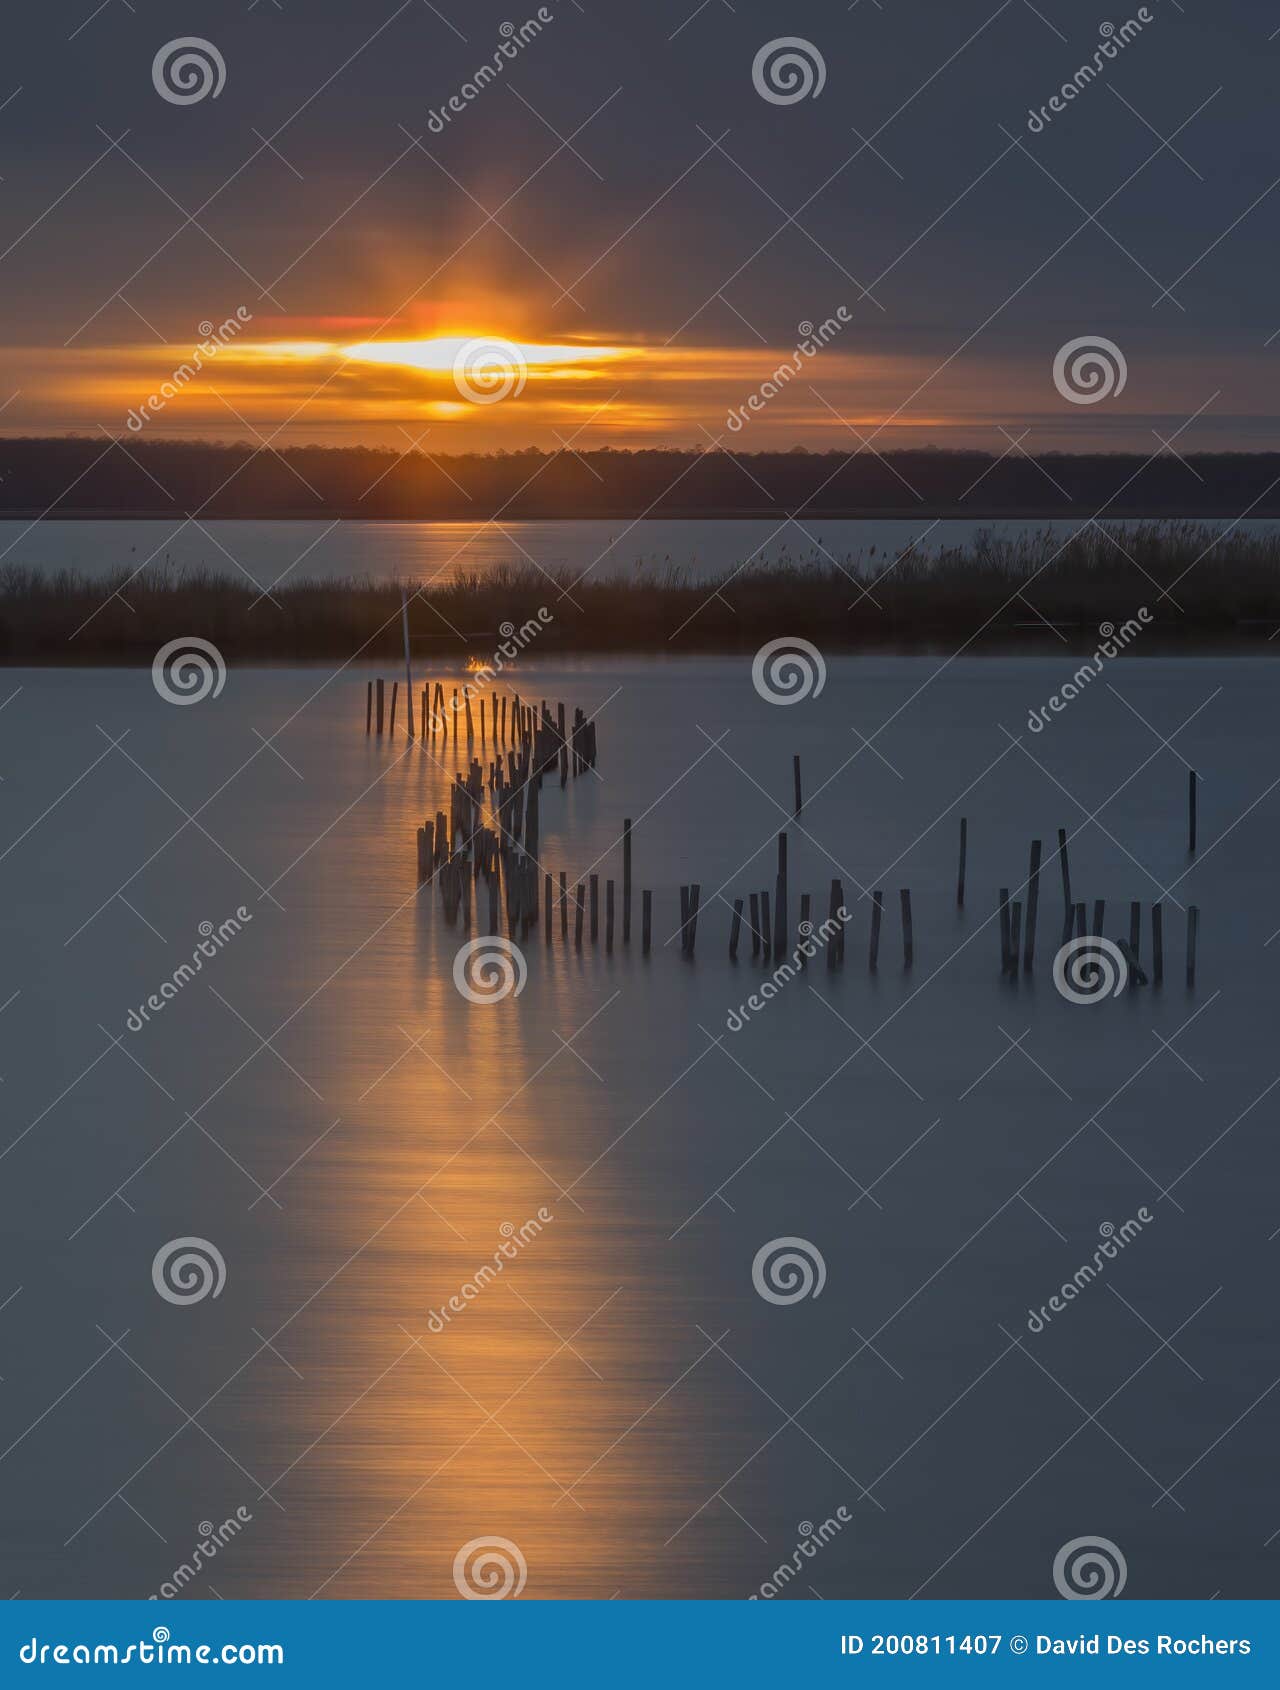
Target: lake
<point>272,552</point>
<point>617,1400</point>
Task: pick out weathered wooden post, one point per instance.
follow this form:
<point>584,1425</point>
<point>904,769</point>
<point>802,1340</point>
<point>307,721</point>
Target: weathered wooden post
<point>735,928</point>
<point>877,910</point>
<point>626,874</point>
<point>1033,902</point>
<point>395,691</point>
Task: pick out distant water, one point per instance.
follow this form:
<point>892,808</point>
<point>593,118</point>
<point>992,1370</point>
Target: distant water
<point>268,552</point>
<point>356,1138</point>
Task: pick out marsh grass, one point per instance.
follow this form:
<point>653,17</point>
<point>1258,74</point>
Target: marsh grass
<point>1198,585</point>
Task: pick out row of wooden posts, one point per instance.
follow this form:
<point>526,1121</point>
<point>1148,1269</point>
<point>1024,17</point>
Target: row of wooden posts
<point>528,722</point>
<point>1018,928</point>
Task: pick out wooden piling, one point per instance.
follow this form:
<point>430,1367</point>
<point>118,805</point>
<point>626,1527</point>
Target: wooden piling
<point>646,920</point>
<point>1081,920</point>
<point>1193,934</point>
<point>735,928</point>
<point>964,852</point>
<point>1033,904</point>
<point>1015,936</point>
<point>1099,916</point>
<point>395,693</point>
<point>695,899</point>
<point>908,943</point>
<point>877,910</point>
<point>1157,943</point>
<point>626,875</point>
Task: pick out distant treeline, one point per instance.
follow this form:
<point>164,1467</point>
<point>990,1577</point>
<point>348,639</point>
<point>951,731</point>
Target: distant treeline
<point>1170,583</point>
<point>75,475</point>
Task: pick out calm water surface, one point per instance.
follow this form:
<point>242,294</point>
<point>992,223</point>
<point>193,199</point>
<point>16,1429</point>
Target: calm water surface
<point>353,1136</point>
<point>268,552</point>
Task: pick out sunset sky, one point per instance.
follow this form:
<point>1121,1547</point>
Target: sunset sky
<point>653,236</point>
